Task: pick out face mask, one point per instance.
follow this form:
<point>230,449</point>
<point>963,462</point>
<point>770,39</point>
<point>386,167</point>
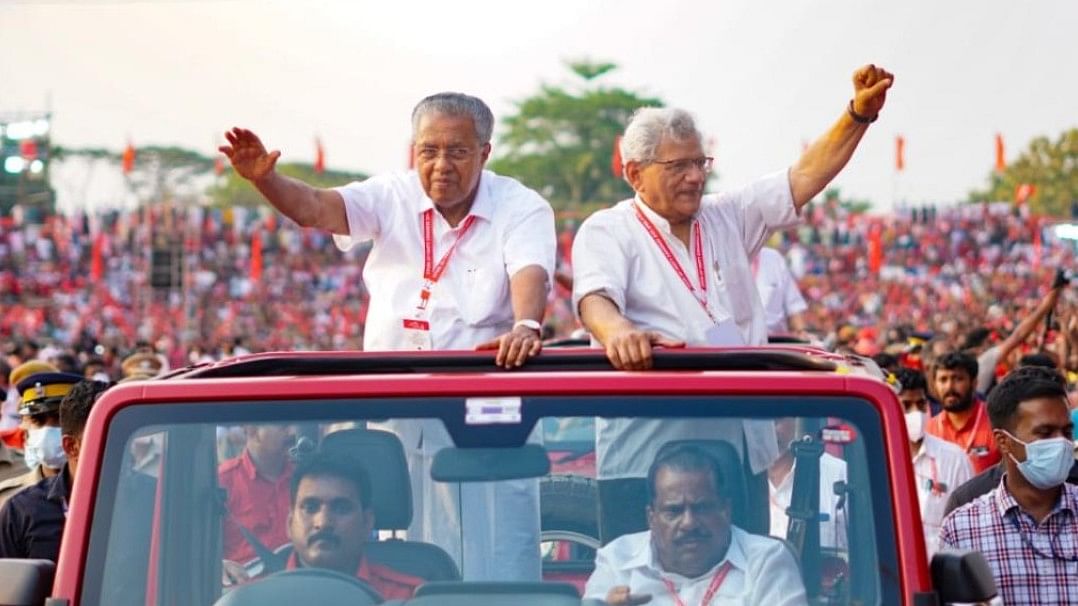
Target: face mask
<point>915,425</point>
<point>1048,461</point>
<point>44,446</point>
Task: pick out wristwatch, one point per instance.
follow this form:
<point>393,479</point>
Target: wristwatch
<point>532,324</point>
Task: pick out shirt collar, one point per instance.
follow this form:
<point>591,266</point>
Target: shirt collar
<point>1068,499</point>
<point>645,556</point>
<point>482,206</point>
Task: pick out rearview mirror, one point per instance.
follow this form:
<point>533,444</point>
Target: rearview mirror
<point>26,582</point>
<point>963,578</point>
<point>490,464</point>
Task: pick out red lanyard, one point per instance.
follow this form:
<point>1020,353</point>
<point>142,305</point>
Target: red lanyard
<point>431,272</point>
<point>712,589</point>
<point>698,244</point>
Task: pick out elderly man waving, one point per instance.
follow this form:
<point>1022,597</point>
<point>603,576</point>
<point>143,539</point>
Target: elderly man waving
<point>462,258</point>
<point>672,266</point>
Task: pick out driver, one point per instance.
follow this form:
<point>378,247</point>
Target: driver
<point>330,521</point>
<point>692,553</point>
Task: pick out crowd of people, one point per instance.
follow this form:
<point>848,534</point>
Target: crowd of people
<point>949,302</point>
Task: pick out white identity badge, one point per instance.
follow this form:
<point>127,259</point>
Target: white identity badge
<point>724,334</point>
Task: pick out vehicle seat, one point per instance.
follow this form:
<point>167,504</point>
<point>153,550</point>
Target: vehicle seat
<point>382,455</point>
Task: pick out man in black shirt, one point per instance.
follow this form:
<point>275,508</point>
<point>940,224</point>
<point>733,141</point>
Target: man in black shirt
<point>32,521</point>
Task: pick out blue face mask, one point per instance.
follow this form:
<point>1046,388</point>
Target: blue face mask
<point>1048,461</point>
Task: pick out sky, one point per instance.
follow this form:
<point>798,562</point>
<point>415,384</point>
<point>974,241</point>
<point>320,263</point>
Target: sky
<point>760,76</point>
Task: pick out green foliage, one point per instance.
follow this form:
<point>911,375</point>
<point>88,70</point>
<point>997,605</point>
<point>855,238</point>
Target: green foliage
<point>1051,166</point>
<point>231,189</point>
<point>560,141</point>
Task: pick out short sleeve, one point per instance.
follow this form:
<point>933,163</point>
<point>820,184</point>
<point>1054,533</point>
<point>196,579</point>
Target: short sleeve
<point>764,206</point>
<point>368,205</point>
<point>600,264</point>
<point>531,239</point>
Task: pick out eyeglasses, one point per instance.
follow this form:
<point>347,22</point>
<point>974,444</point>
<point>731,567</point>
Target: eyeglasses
<point>683,165</point>
<point>452,153</point>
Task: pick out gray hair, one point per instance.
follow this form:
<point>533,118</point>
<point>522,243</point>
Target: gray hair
<point>457,104</point>
<point>649,126</point>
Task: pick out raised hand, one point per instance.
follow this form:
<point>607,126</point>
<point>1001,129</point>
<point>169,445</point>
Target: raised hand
<point>247,154</point>
<point>870,84</point>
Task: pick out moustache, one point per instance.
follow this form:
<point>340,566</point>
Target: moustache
<point>692,536</point>
<point>328,537</point>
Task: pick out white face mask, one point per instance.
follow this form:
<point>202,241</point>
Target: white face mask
<point>1048,461</point>
<point>44,446</point>
<point>915,425</point>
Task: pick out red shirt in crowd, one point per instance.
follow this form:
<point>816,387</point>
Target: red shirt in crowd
<point>391,584</point>
<point>261,505</point>
<point>975,437</point>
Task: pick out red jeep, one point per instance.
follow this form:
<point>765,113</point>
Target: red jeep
<point>152,535</point>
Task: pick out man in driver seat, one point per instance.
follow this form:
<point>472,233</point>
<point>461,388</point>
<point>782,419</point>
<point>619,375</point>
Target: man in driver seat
<point>331,520</point>
<point>692,552</point>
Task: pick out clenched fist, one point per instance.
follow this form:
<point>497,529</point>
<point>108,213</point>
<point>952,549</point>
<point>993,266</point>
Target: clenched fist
<point>870,84</point>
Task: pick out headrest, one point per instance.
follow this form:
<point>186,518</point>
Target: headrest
<point>382,456</point>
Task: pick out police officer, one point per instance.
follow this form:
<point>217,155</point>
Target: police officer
<point>40,393</point>
<point>32,521</point>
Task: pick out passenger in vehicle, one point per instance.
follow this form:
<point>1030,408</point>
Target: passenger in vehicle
<point>32,521</point>
<point>692,552</point>
<point>258,498</point>
<point>331,520</point>
<point>780,484</point>
<point>462,258</point>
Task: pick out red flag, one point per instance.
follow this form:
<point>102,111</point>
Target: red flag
<point>616,166</point>
<point>1023,192</point>
<point>875,249</point>
<point>256,256</point>
<point>97,258</point>
<point>900,153</point>
<point>218,166</point>
<point>1001,160</point>
<point>128,160</point>
<point>319,156</point>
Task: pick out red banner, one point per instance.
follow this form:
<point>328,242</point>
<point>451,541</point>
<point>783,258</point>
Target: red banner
<point>900,153</point>
<point>615,160</point>
<point>319,157</point>
<point>1001,160</point>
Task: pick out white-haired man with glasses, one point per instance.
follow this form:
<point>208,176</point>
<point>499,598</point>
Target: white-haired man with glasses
<point>672,266</point>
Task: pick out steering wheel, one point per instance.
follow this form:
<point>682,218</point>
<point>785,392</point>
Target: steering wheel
<point>299,586</point>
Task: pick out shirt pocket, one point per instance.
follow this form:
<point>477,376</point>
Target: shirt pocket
<point>486,298</point>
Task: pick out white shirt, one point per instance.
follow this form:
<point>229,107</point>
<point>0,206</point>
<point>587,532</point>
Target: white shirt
<point>778,290</point>
<point>763,572</point>
<point>471,303</point>
<point>833,529</point>
<point>942,464</point>
<point>614,255</point>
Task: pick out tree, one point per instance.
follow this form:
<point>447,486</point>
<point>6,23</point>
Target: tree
<point>1051,167</point>
<point>561,140</point>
